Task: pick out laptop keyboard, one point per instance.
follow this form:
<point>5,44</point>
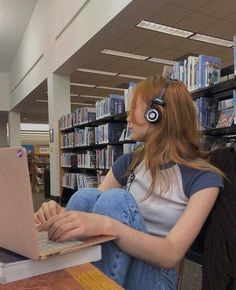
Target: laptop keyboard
<point>48,247</point>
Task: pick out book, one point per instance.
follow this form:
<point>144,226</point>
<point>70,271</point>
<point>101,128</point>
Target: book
<point>85,276</point>
<point>14,267</point>
<point>226,118</point>
<point>209,70</point>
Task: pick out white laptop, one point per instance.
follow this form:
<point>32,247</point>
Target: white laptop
<point>17,227</point>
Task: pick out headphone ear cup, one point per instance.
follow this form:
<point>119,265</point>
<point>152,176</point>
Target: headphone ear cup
<point>153,115</point>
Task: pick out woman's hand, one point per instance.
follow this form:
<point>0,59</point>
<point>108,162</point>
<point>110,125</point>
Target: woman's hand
<point>46,211</point>
<point>73,224</point>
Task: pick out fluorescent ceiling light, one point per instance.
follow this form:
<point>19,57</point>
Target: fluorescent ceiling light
<point>214,40</point>
<point>131,76</point>
<point>101,72</point>
<point>110,73</point>
<point>42,101</point>
<point>74,95</point>
<point>83,104</point>
<point>91,97</point>
<point>160,60</point>
<point>34,127</point>
<point>26,133</point>
<point>82,85</point>
<point>109,88</point>
<point>164,29</point>
<point>124,54</point>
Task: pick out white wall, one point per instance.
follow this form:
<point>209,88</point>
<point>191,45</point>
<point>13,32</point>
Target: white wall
<point>4,92</point>
<point>57,29</point>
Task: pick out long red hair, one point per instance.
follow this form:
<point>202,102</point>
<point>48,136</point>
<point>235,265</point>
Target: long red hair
<point>176,137</point>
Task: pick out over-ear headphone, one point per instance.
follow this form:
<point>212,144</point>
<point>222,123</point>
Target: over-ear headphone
<point>154,115</point>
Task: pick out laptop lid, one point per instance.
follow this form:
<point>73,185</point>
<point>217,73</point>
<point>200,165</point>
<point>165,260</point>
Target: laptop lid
<point>17,227</point>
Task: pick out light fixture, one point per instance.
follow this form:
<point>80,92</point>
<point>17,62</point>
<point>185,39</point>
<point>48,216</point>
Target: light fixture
<point>213,40</point>
<point>42,101</point>
<point>101,72</point>
<point>86,104</point>
<point>82,85</point>
<point>74,95</point>
<point>131,76</point>
<point>34,127</point>
<point>109,88</point>
<point>111,73</point>
<point>83,104</point>
<point>26,133</point>
<point>124,54</point>
<point>163,61</point>
<point>91,97</point>
<point>164,29</point>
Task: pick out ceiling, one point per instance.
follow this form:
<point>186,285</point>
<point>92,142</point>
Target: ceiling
<point>14,18</point>
<point>215,18</point>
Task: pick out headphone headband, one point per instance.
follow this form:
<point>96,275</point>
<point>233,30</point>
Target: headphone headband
<point>160,99</point>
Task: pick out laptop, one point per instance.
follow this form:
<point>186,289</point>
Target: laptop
<point>18,231</point>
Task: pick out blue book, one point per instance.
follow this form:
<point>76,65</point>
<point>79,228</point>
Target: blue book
<point>209,70</point>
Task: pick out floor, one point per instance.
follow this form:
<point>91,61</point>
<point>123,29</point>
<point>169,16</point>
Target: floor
<point>192,271</point>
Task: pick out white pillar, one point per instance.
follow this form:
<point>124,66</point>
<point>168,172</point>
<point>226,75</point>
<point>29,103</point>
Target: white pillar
<point>58,105</point>
<point>14,129</point>
<point>3,129</point>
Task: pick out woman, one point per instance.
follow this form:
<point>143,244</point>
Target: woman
<point>169,191</point>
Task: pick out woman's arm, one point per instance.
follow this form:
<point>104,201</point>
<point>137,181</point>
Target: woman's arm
<point>167,252</point>
<point>109,182</point>
<point>164,252</point>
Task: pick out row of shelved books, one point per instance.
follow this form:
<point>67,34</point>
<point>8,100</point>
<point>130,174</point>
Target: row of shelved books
<point>198,71</point>
<point>110,106</point>
<point>114,104</point>
<point>102,134</point>
<point>41,159</point>
<point>76,181</point>
<point>79,180</point>
<point>210,143</point>
<point>212,115</point>
<point>79,116</point>
<point>97,158</point>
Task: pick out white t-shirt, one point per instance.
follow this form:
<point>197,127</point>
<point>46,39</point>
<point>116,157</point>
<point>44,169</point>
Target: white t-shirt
<point>161,211</point>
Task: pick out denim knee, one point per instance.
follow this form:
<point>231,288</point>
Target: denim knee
<point>120,205</point>
<point>83,200</point>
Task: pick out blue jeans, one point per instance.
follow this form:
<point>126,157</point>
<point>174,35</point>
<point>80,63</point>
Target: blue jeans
<point>129,272</point>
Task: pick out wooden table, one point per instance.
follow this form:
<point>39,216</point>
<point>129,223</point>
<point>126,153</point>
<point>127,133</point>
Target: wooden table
<point>83,277</point>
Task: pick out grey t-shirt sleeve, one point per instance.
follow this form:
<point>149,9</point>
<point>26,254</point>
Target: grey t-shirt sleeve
<point>120,166</point>
<point>195,180</point>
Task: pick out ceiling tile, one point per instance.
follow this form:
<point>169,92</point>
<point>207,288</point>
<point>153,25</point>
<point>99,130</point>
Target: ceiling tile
<point>148,49</point>
<point>122,64</point>
<point>124,45</point>
<point>95,65</point>
<point>168,14</point>
<point>138,34</point>
<point>169,54</point>
<point>219,29</point>
<point>219,8</point>
<point>232,17</point>
<point>189,4</point>
<point>187,45</point>
<point>196,22</point>
<point>88,78</point>
<point>163,40</point>
<point>211,49</point>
